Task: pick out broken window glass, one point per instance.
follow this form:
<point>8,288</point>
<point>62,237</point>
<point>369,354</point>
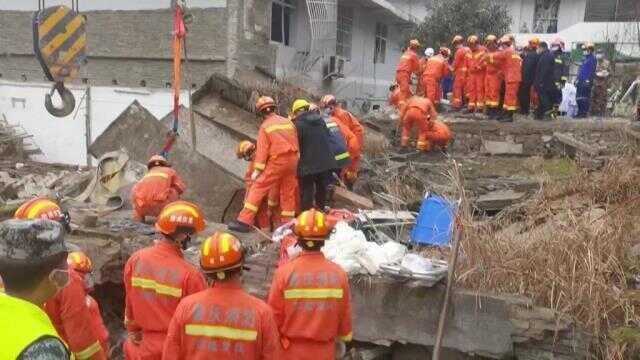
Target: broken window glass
<point>545,16</point>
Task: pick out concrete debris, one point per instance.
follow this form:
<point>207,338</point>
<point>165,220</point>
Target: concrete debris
<point>501,148</point>
<point>572,145</point>
<point>141,135</point>
<point>498,200</point>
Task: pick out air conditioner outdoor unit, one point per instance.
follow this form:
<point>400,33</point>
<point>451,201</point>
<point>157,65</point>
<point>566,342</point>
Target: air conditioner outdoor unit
<point>334,68</point>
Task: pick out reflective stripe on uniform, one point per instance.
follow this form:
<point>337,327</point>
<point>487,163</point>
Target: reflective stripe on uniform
<point>88,352</point>
<point>277,127</point>
<point>491,103</point>
<point>251,207</point>
<point>272,203</point>
<point>510,108</point>
<point>157,174</point>
<point>558,61</point>
<point>223,332</point>
<point>309,293</point>
<point>332,125</point>
<point>342,156</point>
<point>288,213</point>
<point>158,288</point>
<point>347,338</point>
<point>259,166</point>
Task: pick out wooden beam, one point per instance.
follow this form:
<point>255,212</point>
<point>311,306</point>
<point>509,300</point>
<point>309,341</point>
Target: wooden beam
<point>576,144</point>
<point>352,198</point>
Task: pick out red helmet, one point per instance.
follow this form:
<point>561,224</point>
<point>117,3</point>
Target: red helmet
<point>39,208</point>
<point>312,225</point>
<point>180,214</point>
<point>220,252</point>
<point>264,103</point>
<point>157,160</point>
<point>79,261</point>
<point>328,100</point>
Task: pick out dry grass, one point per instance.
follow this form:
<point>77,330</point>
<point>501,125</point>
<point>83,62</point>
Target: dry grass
<point>568,249</point>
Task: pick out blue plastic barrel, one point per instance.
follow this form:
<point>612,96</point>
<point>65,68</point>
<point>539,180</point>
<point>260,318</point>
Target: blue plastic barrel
<point>434,224</point>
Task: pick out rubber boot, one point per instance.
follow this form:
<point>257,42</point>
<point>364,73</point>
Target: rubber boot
<point>239,226</point>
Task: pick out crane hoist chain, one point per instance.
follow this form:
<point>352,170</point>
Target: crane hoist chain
<point>60,45</point>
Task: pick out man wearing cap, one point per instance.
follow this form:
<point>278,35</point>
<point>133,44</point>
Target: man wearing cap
<point>33,267</point>
<point>409,64</point>
<point>584,82</point>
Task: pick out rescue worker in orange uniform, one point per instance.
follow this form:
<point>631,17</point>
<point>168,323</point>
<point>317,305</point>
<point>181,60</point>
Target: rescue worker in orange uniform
<point>156,278</point>
<point>346,119</point>
<point>409,64</point>
<point>476,75</point>
<point>394,95</point>
<point>511,64</point>
<point>310,296</point>
<point>68,309</point>
<point>247,150</point>
<point>420,112</point>
<point>80,263</point>
<point>460,71</point>
<point>222,322</point>
<point>275,164</point>
<point>160,186</point>
<point>436,68</point>
<point>492,79</point>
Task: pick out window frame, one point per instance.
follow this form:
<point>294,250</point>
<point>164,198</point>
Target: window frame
<point>344,43</point>
<point>285,5</point>
<point>380,44</point>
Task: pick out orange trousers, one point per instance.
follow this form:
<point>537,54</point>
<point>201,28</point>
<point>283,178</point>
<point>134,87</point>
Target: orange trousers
<point>350,173</point>
<point>492,91</point>
<point>459,83</point>
<point>150,348</point>
<point>302,349</point>
<point>267,214</point>
<point>140,210</point>
<point>280,172</point>
<point>414,117</point>
<point>438,134</point>
<point>476,91</point>
<point>431,88</point>
<point>511,96</point>
<point>403,78</point>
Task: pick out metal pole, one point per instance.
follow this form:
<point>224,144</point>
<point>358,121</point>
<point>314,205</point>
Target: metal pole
<point>192,123</point>
<point>87,124</point>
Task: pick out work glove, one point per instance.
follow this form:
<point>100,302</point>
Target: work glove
<point>255,174</point>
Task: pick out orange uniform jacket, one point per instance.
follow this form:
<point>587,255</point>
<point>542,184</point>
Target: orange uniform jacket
<point>224,323</point>
<point>395,97</point>
<point>277,136</point>
<point>435,69</point>
<point>345,119</point>
<point>409,62</point>
<point>157,183</point>
<point>461,74</point>
<point>492,79</point>
<point>424,104</point>
<point>311,301</point>
<point>98,323</point>
<point>73,320</point>
<point>156,279</point>
<point>353,144</point>
<point>262,217</point>
<point>510,63</point>
<point>459,61</point>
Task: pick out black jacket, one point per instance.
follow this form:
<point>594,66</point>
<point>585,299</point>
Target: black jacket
<point>545,79</point>
<point>529,65</point>
<point>316,156</point>
<point>337,143</point>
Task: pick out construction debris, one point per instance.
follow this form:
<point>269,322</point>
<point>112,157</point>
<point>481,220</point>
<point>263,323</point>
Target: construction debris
<point>501,148</point>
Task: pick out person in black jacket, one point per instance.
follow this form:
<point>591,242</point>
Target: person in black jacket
<point>544,82</point>
<point>529,65</point>
<point>316,157</point>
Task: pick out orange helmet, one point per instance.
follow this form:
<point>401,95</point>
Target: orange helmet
<point>444,51</point>
<point>457,40</point>
<point>157,160</point>
<point>79,261</point>
<point>244,148</point>
<point>263,103</point>
<point>312,225</point>
<point>220,252</point>
<point>39,208</point>
<point>180,214</point>
<point>472,40</point>
<point>490,39</point>
<point>414,43</point>
<point>328,100</point>
<point>534,42</point>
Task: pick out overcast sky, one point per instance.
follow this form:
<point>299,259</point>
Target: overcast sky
<point>85,5</point>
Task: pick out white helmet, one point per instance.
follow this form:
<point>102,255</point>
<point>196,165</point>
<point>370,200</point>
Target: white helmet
<point>429,52</point>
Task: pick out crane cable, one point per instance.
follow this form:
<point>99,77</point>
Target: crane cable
<point>179,35</point>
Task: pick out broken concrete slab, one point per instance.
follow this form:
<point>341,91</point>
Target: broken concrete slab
<point>217,190</point>
<point>352,199</point>
<point>501,148</point>
<point>575,145</point>
<point>498,200</point>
